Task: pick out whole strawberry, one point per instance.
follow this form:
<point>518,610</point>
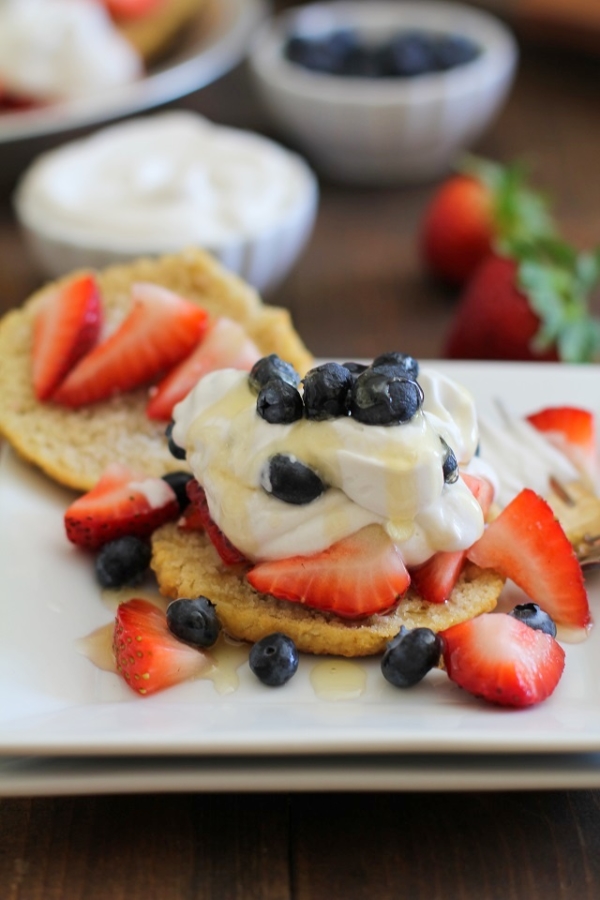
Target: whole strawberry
<point>532,307</point>
<point>476,212</point>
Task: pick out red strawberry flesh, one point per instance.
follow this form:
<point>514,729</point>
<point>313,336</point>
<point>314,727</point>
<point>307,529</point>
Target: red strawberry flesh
<point>493,319</point>
<point>148,657</point>
<point>198,515</point>
<point>573,431</point>
<point>527,544</point>
<point>434,581</point>
<point>66,327</point>
<point>224,345</point>
<point>160,330</point>
<point>122,502</point>
<point>502,660</point>
<point>358,576</point>
<point>458,229</point>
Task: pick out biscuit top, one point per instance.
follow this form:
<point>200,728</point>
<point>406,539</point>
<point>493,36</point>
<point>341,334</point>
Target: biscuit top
<point>52,49</point>
<point>392,476</point>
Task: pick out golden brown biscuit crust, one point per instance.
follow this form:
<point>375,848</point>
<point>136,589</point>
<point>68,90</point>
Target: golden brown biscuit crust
<point>186,565</point>
<point>75,446</point>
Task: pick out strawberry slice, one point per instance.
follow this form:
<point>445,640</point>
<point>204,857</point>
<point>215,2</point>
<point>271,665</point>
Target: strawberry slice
<point>148,656</point>
<point>434,580</point>
<point>225,346</point>
<point>66,327</point>
<point>482,490</point>
<point>573,431</point>
<point>131,9</point>
<point>197,516</point>
<point>160,330</point>
<point>360,575</point>
<point>502,660</point>
<point>122,502</point>
<point>527,544</point>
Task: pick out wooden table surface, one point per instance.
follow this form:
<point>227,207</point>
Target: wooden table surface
<point>357,290</point>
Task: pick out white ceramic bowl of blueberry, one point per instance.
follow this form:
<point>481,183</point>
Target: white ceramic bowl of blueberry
<point>383,92</point>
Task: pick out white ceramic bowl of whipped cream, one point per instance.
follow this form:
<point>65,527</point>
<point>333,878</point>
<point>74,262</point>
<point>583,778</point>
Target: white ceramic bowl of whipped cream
<point>383,130</point>
<point>161,183</point>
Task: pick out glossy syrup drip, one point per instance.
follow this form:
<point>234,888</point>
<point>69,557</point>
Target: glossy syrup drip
<point>331,679</point>
<point>338,679</point>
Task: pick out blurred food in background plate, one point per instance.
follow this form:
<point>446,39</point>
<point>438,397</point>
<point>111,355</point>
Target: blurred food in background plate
<point>215,39</point>
<point>53,49</point>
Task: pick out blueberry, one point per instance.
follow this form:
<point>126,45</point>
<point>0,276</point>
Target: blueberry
<point>175,450</point>
<point>355,368</point>
<point>194,621</point>
<point>410,655</point>
<point>326,390</point>
<point>179,481</point>
<point>451,50</point>
<point>122,561</point>
<point>534,616</point>
<point>279,403</point>
<point>450,464</point>
<point>406,364</point>
<point>288,479</point>
<point>274,659</point>
<point>326,53</point>
<point>409,53</point>
<point>272,368</point>
<point>379,399</point>
<point>362,62</point>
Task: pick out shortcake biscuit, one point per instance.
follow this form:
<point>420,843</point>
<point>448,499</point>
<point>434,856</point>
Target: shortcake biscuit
<point>75,446</point>
<point>187,565</point>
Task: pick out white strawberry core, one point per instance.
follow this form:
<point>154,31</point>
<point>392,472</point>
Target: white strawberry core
<point>156,491</point>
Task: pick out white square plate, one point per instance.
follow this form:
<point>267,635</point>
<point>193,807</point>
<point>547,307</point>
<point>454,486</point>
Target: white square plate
<point>53,701</point>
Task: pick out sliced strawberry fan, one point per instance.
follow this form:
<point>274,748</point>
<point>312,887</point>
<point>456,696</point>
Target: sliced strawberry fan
<point>224,345</point>
<point>161,329</point>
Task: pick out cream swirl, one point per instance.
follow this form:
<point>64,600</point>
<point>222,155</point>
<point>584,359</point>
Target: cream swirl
<point>55,49</point>
<point>162,182</point>
<point>387,475</point>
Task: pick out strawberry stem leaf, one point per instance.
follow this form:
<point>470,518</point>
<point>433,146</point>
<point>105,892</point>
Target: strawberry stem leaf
<point>520,213</point>
<point>558,282</point>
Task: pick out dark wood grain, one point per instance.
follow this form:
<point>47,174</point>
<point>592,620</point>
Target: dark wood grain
<point>359,288</point>
<point>303,847</point>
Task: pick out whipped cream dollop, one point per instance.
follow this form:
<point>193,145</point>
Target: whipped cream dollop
<point>389,475</point>
<point>56,49</point>
<point>162,182</point>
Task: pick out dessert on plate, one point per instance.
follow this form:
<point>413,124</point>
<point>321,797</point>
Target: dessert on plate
<point>329,509</point>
